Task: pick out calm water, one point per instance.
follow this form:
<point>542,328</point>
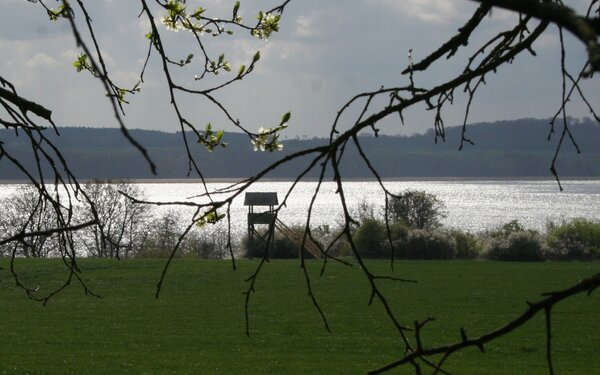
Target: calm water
<point>470,205</point>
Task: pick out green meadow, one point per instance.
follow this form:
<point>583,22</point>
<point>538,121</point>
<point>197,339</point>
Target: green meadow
<point>197,324</point>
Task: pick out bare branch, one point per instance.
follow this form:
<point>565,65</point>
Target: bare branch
<point>584,286</point>
<point>25,105</point>
<point>585,29</point>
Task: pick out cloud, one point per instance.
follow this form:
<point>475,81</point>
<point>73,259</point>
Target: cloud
<point>306,26</point>
<point>23,20</point>
<point>40,60</point>
<point>294,52</point>
<point>430,11</point>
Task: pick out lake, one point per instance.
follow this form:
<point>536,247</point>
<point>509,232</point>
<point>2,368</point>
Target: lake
<point>470,205</point>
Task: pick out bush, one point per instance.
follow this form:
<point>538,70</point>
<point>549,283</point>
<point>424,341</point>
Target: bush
<point>208,242</point>
<point>326,235</point>
<point>523,246</point>
<point>370,239</point>
<point>512,242</point>
<point>578,239</point>
<point>399,232</point>
<point>428,244</point>
<point>281,248</point>
<point>467,244</point>
<point>417,209</point>
<point>341,249</point>
<point>161,236</point>
<point>507,229</point>
<point>284,248</point>
<point>255,248</point>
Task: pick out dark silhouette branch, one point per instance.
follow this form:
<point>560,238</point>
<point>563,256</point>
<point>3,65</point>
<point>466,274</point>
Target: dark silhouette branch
<point>545,305</point>
<point>25,105</point>
<point>584,28</point>
<point>453,44</point>
<point>23,235</point>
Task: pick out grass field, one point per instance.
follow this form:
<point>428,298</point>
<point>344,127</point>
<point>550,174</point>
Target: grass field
<point>197,325</point>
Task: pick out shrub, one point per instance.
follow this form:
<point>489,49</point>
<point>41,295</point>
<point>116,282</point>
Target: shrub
<point>252,247</point>
<point>506,229</point>
<point>281,248</point>
<point>161,236</point>
<point>578,239</point>
<point>398,234</point>
<point>467,245</point>
<point>516,246</point>
<point>209,242</point>
<point>417,209</point>
<point>284,248</point>
<point>255,247</point>
<point>370,238</point>
<point>399,231</point>
<point>340,248</point>
<point>428,244</point>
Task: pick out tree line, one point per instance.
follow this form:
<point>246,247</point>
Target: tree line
<point>410,228</point>
<point>502,149</point>
<point>124,229</point>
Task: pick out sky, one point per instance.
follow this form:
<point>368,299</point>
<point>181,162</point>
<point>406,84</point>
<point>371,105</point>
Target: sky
<point>325,53</point>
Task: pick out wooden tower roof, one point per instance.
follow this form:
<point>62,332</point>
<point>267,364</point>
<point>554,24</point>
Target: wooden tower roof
<point>261,199</point>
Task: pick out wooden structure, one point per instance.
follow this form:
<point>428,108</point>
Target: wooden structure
<point>264,217</point>
<point>269,217</point>
<point>297,238</point>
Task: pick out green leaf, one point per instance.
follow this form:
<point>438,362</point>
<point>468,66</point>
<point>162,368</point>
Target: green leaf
<point>210,217</point>
<point>256,57</point>
<point>198,12</point>
<point>286,118</point>
<point>81,63</point>
<point>58,12</point>
<point>236,8</point>
<point>242,70</point>
<point>211,140</point>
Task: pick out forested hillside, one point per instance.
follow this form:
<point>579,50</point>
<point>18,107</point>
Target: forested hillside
<point>502,149</point>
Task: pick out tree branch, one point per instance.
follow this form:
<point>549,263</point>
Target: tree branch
<point>585,29</point>
<point>25,105</point>
<point>588,286</point>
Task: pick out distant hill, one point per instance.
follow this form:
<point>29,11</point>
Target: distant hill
<point>517,148</point>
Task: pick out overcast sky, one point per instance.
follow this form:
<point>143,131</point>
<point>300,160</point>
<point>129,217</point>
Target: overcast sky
<point>326,52</point>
